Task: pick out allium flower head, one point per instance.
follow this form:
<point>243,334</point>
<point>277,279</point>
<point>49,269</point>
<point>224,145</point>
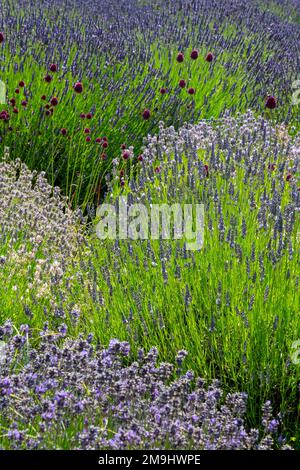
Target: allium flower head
<point>146,114</point>
<point>1,37</point>
<point>78,87</point>
<point>182,83</point>
<point>54,101</point>
<point>4,115</point>
<point>194,54</point>
<point>209,57</point>
<point>53,68</point>
<point>180,57</point>
<point>21,84</point>
<point>48,78</point>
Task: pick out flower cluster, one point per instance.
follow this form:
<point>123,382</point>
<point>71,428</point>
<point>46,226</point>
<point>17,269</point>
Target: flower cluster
<point>38,228</point>
<point>115,403</point>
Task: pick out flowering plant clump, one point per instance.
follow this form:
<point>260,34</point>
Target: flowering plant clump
<point>99,399</point>
<point>156,63</point>
<point>38,229</point>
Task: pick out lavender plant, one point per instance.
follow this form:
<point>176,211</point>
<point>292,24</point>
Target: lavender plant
<point>241,59</point>
<point>149,100</point>
<point>245,171</point>
<point>67,393</point>
<point>233,304</point>
<point>38,230</point>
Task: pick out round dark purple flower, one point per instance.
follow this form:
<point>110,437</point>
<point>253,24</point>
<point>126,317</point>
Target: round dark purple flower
<point>4,116</point>
<point>54,101</point>
<point>1,37</point>
<point>53,68</point>
<point>180,57</point>
<point>271,102</point>
<point>146,114</point>
<point>48,78</point>
<point>78,87</point>
<point>194,54</point>
<point>209,57</point>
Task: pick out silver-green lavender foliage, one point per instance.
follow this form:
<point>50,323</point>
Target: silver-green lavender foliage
<point>37,226</point>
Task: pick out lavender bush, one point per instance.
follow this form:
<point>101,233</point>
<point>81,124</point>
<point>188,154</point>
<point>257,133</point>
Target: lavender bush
<point>70,393</point>
<point>253,55</point>
<point>38,230</point>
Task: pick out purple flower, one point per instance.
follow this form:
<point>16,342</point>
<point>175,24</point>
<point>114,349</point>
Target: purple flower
<point>180,57</point>
<point>194,54</point>
<point>146,114</point>
<point>78,87</point>
<point>271,102</point>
